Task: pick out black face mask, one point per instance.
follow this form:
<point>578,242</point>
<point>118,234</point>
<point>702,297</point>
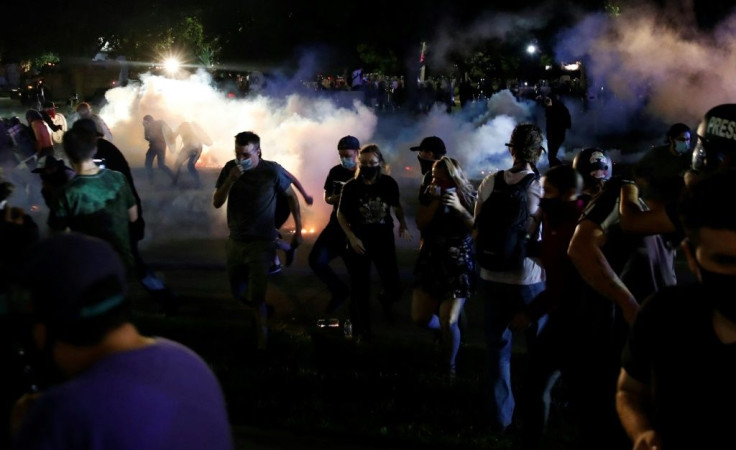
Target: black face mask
<point>551,206</point>
<point>369,172</point>
<point>720,286</point>
<point>425,164</point>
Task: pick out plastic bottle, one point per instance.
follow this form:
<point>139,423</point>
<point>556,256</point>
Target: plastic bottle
<point>348,329</point>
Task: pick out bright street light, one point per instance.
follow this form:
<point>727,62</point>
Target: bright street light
<point>531,49</point>
<point>171,65</point>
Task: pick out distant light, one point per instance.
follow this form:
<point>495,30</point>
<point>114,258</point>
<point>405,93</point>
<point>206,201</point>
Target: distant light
<point>572,67</point>
<point>547,67</point>
<point>531,49</point>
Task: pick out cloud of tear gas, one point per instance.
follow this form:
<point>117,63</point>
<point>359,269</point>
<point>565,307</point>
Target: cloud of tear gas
<point>647,71</point>
<point>300,131</point>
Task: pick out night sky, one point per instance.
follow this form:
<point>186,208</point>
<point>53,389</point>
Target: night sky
<point>274,31</point>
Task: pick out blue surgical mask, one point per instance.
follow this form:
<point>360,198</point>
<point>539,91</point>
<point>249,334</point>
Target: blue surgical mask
<point>247,163</point>
<point>682,146</point>
<point>348,163</point>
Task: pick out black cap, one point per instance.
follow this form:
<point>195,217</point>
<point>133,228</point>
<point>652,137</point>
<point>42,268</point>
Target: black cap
<point>46,162</point>
<point>432,144</point>
<point>348,143</point>
<point>72,276</point>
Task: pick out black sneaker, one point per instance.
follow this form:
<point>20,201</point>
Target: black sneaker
<point>275,268</point>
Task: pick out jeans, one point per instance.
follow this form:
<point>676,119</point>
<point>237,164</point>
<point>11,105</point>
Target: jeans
<point>501,301</point>
<point>160,154</point>
<point>330,244</point>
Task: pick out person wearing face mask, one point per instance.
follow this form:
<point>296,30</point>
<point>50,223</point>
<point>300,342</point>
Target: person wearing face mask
<point>619,270</point>
<point>676,385</point>
<point>250,187</point>
<point>331,241</point>
<point>659,173</point>
<point>553,354</point>
<point>364,213</point>
<point>428,151</point>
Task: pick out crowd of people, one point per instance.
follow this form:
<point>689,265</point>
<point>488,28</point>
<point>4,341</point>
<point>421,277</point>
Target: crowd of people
<point>579,259</point>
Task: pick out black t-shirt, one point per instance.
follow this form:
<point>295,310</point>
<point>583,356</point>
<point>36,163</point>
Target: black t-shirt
<point>367,207</point>
<point>336,179</point>
<point>251,202</point>
<point>673,348</point>
<point>644,263</point>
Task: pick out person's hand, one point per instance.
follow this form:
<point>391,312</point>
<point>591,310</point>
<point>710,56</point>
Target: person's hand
<point>404,233</point>
<point>648,440</point>
<point>235,172</point>
<point>14,215</point>
<point>309,199</point>
<point>356,244</point>
<point>20,410</point>
<point>433,191</point>
<point>452,200</point>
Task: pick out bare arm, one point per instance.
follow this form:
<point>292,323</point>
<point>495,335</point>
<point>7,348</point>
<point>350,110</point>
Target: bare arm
<point>636,221</point>
<point>133,213</point>
<point>296,214</point>
<point>221,193</point>
<point>425,213</point>
<point>403,228</point>
<point>355,243</point>
<point>295,181</point>
<point>585,252</point>
<point>632,401</point>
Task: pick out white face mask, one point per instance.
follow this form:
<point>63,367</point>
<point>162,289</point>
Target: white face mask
<point>682,146</point>
<point>348,163</point>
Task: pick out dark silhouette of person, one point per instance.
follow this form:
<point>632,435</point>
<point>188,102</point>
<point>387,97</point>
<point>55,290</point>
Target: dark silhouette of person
<point>558,121</point>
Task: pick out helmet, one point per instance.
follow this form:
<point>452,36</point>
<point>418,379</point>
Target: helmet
<point>716,139</point>
<point>593,163</point>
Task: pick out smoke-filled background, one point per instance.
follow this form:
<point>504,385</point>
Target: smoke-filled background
<point>647,68</point>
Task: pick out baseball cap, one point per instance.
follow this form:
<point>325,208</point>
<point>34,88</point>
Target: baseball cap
<point>431,144</point>
<point>49,105</point>
<point>45,162</point>
<point>348,143</point>
<point>87,125</point>
<point>73,277</point>
<point>526,135</point>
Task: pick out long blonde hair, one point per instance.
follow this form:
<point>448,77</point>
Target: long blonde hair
<point>465,190</point>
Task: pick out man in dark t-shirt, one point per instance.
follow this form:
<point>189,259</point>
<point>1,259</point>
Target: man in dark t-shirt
<point>678,379</point>
<point>250,186</point>
<point>620,271</point>
<point>331,242</point>
<point>157,132</point>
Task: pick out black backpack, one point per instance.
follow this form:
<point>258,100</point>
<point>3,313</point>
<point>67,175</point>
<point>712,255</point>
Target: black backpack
<point>502,239</point>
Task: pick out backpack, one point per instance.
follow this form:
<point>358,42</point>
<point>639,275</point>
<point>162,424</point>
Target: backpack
<point>502,237</point>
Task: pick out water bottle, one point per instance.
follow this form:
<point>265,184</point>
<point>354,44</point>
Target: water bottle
<point>448,191</point>
<point>348,329</point>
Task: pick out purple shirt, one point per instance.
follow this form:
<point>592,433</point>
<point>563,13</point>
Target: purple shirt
<point>159,397</point>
